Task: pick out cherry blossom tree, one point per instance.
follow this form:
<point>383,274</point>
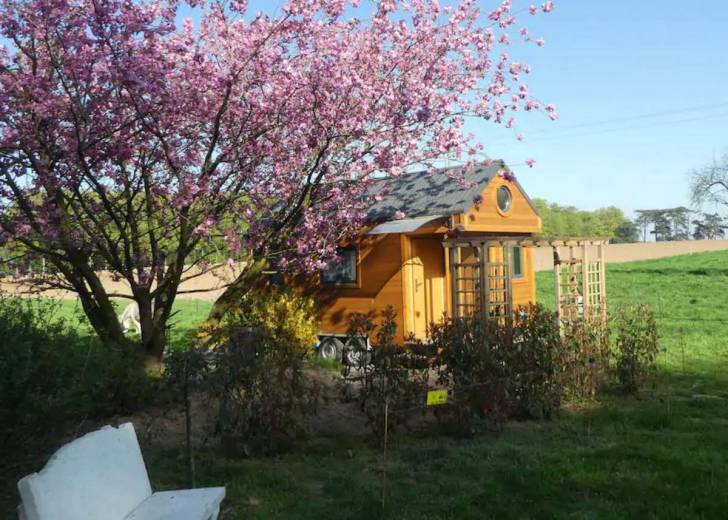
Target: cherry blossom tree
<point>128,137</point>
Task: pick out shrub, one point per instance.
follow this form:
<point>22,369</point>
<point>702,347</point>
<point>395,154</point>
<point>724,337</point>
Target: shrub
<point>390,378</point>
<point>282,314</point>
<point>49,374</point>
<point>497,371</point>
<point>535,364</point>
<point>636,348</point>
<point>471,357</point>
<point>256,376</point>
<point>586,356</point>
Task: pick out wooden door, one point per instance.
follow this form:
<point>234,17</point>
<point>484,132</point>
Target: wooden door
<point>428,283</point>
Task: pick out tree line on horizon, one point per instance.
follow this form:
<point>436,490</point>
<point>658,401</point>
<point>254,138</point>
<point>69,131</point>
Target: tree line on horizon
<point>610,222</point>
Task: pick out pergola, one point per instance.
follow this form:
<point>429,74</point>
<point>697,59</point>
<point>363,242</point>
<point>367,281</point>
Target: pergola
<point>480,276</point>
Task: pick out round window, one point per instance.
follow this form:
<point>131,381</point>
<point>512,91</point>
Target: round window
<point>504,199</point>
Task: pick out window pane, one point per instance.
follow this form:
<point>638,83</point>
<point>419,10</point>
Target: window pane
<point>342,270</point>
<point>517,262</point>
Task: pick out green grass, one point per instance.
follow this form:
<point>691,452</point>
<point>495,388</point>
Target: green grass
<point>186,317</point>
<point>661,455</point>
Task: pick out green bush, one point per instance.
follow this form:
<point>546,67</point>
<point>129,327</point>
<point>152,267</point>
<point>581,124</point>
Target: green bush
<point>50,375</point>
<point>497,371</point>
<point>535,364</point>
<point>586,357</point>
<point>636,348</point>
<point>389,376</point>
<point>257,379</point>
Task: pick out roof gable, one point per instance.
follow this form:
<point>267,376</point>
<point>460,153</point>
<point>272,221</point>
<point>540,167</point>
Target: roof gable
<point>420,194</point>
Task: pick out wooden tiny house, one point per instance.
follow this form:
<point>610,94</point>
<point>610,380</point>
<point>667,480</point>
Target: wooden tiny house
<point>455,245</point>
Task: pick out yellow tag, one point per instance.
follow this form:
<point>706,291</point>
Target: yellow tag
<point>435,397</point>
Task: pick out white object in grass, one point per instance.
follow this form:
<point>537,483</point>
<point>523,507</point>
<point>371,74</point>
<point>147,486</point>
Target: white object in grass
<point>130,318</point>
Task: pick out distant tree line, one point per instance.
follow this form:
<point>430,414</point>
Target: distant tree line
<point>679,223</point>
<point>568,221</point>
<point>661,225</point>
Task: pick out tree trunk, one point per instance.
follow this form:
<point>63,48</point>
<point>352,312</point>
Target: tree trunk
<point>234,293</point>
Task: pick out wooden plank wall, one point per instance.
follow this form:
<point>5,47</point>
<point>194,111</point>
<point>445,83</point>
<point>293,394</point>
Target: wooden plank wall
<point>381,285</point>
<point>520,218</point>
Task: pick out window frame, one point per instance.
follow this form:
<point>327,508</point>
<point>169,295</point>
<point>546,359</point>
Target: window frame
<point>507,211</point>
<point>357,270</point>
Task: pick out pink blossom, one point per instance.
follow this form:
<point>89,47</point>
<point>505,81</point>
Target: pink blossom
<point>398,215</point>
<point>547,7</point>
<point>530,162</point>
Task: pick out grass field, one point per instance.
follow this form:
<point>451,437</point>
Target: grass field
<point>186,316</point>
<point>663,454</point>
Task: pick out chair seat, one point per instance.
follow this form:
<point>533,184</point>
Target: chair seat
<point>185,504</point>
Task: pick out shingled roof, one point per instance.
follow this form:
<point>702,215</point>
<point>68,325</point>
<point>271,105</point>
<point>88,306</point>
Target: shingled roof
<point>420,194</point>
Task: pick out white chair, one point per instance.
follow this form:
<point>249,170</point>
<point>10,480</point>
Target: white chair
<point>101,476</point>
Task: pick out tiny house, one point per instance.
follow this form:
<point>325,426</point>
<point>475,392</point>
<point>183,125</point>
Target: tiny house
<point>458,251</point>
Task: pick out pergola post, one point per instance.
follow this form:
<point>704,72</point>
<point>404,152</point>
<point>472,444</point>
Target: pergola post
<point>557,282</point>
<point>602,282</point>
<point>484,287</point>
<point>508,299</point>
<point>453,280</point>
<point>585,278</point>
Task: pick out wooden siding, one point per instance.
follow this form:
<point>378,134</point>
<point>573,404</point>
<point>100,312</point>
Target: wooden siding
<point>487,218</point>
<point>380,262</point>
<point>524,288</point>
<point>427,293</point>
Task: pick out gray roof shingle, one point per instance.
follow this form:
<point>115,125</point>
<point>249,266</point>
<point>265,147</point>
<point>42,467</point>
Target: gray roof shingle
<point>419,194</point>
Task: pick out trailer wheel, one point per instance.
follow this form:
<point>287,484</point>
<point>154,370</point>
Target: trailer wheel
<point>330,348</point>
<point>355,351</point>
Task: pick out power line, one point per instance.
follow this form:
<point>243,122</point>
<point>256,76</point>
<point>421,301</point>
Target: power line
<point>568,131</point>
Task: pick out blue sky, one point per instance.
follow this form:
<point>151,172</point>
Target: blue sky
<point>610,66</point>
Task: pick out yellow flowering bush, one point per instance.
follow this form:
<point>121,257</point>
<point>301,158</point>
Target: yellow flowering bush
<point>283,314</point>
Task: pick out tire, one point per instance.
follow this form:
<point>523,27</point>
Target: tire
<point>330,348</point>
<point>355,351</point>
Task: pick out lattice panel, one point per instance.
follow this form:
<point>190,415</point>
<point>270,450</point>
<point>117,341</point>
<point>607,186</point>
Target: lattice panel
<point>467,285</point>
<point>580,289</point>
<point>595,300</point>
<point>471,287</point>
<point>499,297</point>
<point>571,297</point>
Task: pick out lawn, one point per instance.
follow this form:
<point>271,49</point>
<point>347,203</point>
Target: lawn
<point>186,316</point>
<point>663,454</point>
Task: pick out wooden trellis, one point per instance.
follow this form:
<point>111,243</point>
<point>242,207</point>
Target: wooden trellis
<point>579,280</point>
<point>481,278</point>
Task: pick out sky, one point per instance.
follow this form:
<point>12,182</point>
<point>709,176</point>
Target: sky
<point>641,88</point>
<point>642,94</point>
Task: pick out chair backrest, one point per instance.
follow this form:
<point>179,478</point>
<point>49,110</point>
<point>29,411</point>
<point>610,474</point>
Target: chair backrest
<point>100,476</point>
